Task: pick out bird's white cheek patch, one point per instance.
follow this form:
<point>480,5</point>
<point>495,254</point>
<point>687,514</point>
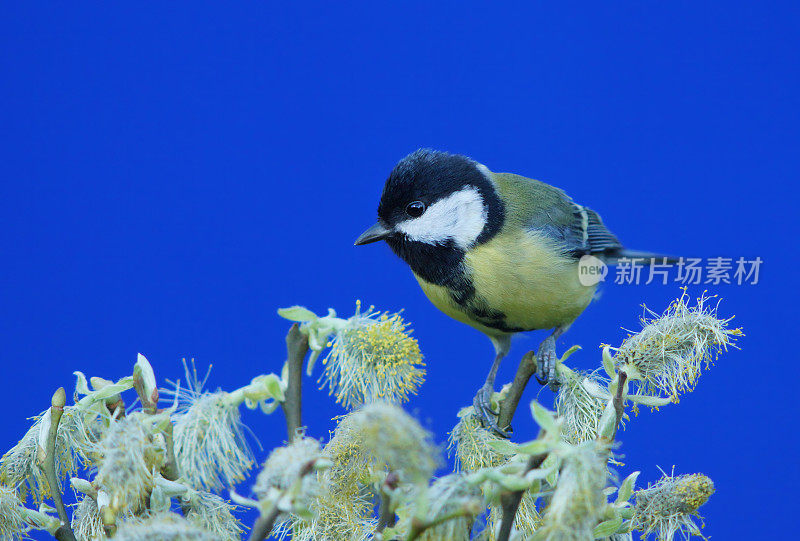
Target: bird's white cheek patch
<point>460,217</point>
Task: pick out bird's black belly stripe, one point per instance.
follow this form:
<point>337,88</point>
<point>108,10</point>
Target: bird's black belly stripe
<point>464,295</point>
<point>493,319</point>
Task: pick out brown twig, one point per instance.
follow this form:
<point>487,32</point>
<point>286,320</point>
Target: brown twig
<point>619,401</point>
<point>527,368</point>
<point>64,532</point>
<point>264,524</point>
<point>510,502</point>
<point>266,521</point>
<point>619,407</point>
<point>296,349</point>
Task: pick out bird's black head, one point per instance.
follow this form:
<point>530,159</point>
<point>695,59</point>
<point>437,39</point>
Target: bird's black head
<point>435,206</point>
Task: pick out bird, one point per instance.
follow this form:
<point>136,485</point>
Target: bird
<point>497,251</point>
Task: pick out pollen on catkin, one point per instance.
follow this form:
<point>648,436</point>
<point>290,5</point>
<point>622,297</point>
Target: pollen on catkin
<point>578,501</point>
<point>373,357</point>
<point>671,350</point>
<point>129,458</point>
<point>667,507</point>
<point>208,437</point>
<point>580,404</point>
<point>351,466</point>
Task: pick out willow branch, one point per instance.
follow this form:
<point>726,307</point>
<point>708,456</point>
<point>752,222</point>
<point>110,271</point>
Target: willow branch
<point>266,521</point>
<point>296,349</point>
<point>418,526</point>
<point>64,532</point>
<point>510,502</point>
<point>527,368</point>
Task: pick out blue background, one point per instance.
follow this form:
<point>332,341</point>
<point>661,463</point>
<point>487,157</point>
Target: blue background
<point>173,173</point>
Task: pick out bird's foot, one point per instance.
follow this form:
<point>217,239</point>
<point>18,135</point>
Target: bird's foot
<point>483,409</point>
<point>547,359</point>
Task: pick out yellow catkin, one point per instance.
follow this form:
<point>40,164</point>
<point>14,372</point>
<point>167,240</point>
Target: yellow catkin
<point>373,357</point>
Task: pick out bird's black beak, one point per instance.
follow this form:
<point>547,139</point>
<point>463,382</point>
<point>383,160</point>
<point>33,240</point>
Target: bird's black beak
<point>373,234</point>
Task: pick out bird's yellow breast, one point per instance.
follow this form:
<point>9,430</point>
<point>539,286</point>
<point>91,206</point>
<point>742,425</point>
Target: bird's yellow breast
<point>521,275</point>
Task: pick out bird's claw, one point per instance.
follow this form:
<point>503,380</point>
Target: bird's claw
<point>546,359</point>
<point>483,408</point>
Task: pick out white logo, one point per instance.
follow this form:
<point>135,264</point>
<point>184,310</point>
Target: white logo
<point>591,270</point>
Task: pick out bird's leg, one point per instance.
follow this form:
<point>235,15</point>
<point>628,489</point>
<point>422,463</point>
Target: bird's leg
<point>546,359</point>
<point>483,399</point>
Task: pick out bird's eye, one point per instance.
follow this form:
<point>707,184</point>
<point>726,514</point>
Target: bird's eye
<point>415,209</point>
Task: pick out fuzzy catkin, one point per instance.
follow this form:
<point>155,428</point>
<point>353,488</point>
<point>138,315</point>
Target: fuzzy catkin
<point>210,445</point>
<point>579,409</point>
<point>163,527</point>
<point>671,350</point>
<point>12,520</point>
<point>578,500</point>
<point>388,436</point>
<point>215,515</point>
<point>470,442</point>
<point>129,456</point>
<point>667,507</point>
<point>373,357</point>
<point>76,443</point>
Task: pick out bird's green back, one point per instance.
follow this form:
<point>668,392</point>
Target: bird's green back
<point>532,203</point>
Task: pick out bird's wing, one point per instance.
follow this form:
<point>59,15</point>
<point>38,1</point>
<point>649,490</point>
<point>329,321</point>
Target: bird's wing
<point>590,234</point>
<point>578,230</point>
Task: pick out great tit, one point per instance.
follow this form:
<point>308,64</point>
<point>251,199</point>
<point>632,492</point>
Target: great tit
<point>497,251</point>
